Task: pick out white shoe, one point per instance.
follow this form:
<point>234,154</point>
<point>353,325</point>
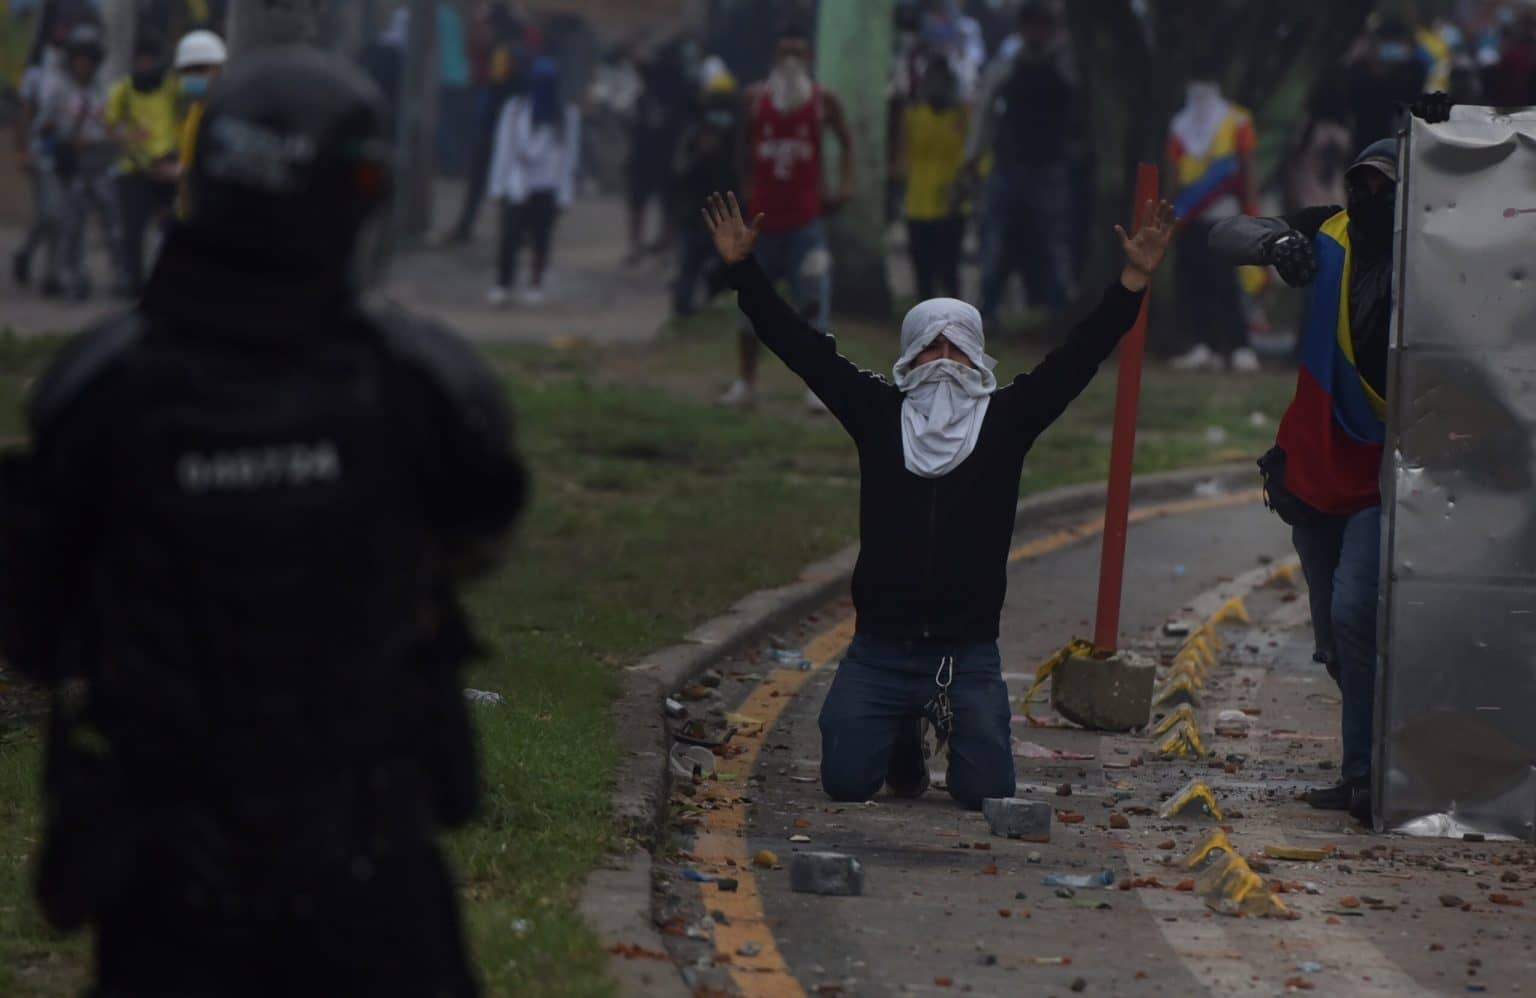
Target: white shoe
<point>533,297</point>
<point>1244,361</point>
<point>814,405</point>
<point>498,296</point>
<point>1201,358</point>
<point>739,394</point>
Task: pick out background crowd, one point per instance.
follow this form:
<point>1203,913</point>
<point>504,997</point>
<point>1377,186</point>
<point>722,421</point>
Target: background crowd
<point>992,150</point>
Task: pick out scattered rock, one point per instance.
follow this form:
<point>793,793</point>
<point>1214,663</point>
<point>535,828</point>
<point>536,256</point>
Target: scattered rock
<point>1079,985</point>
<point>1167,844</point>
<point>765,858</point>
<point>1065,790</point>
<point>1033,857</point>
<point>1119,821</point>
<point>1015,818</point>
<point>830,873</point>
<point>1451,901</point>
<point>727,884</point>
<point>748,949</point>
<point>1108,694</point>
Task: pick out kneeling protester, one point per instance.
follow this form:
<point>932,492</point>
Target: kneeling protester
<point>941,449</point>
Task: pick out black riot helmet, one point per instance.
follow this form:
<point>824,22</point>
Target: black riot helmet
<point>292,163</point>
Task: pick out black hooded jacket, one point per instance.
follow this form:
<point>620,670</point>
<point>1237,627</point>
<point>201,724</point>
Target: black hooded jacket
<point>934,551</point>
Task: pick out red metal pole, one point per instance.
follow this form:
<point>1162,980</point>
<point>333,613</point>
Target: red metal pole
<point>1122,448</point>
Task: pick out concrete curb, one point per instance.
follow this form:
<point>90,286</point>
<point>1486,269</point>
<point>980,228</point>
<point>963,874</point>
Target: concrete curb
<point>616,899</point>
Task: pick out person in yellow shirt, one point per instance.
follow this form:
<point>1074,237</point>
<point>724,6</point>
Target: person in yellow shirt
<point>143,113</point>
<point>931,155</point>
<point>200,58</point>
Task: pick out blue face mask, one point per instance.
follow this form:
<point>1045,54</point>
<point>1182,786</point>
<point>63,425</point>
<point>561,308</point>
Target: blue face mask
<point>194,87</point>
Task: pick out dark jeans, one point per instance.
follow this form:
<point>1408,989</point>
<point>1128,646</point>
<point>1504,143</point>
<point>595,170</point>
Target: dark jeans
<point>881,683</point>
<point>533,219</point>
<point>482,147</point>
<point>695,258</point>
<point>934,246</point>
<point>1210,307</point>
<point>1341,559</point>
<point>1026,225</point>
<point>141,201</point>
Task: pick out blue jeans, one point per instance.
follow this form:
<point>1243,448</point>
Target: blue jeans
<point>799,258</point>
<point>1342,562</point>
<point>881,684</point>
<point>1026,225</point>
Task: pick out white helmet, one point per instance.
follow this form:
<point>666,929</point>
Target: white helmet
<point>200,48</point>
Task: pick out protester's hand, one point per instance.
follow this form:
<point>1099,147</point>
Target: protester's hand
<point>1292,256</point>
<point>734,238</point>
<point>1145,250</point>
<point>1433,108</point>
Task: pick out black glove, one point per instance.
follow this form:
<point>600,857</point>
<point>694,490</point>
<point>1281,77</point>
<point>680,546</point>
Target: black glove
<point>1291,254</point>
<point>1433,108</point>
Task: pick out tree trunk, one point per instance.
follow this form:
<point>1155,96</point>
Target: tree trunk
<point>259,24</point>
<point>853,45</point>
<point>417,121</point>
<point>119,22</point>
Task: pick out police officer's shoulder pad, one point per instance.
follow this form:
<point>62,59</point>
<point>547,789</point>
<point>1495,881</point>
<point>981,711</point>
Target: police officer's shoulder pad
<point>449,362</point>
<point>81,364</point>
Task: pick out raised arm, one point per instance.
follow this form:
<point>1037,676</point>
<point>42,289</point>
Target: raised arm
<point>1066,371</point>
<point>847,391</point>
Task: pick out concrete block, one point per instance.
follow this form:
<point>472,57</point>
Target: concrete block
<point>1013,818</point>
<point>826,873</point>
<point>1106,694</point>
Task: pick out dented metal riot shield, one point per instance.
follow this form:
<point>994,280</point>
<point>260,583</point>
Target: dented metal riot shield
<point>1456,742</point>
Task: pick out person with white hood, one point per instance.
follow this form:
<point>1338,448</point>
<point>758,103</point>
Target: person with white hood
<point>941,447</point>
<point>1211,144</point>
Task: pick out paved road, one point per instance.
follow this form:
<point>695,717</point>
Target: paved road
<point>592,294</point>
<point>933,920</point>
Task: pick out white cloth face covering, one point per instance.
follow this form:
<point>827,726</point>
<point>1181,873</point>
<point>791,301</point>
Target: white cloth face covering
<point>945,401</point>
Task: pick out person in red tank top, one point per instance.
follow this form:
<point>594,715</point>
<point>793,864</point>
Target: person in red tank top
<point>782,160</point>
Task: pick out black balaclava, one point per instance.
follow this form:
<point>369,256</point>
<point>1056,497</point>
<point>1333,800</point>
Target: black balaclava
<point>1371,216</point>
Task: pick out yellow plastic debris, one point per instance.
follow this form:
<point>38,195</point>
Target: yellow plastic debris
<point>1232,609</point>
<point>1207,631</point>
<point>1300,854</point>
<point>1193,798</point>
<point>1177,690</point>
<point>1183,742</point>
<point>1288,572</point>
<point>1187,668</point>
<point>1200,645</point>
<point>1191,658</point>
<point>1077,646</point>
<point>1216,844</point>
<point>1184,712</point>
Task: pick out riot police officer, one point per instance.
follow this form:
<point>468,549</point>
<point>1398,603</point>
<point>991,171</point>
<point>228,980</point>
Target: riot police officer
<point>232,550</point>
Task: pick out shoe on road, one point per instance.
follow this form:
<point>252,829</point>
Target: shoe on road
<point>739,394</point>
<point>498,296</point>
<point>1360,806</point>
<point>1201,358</point>
<point>532,297</point>
<point>1244,361</point>
<point>1338,797</point>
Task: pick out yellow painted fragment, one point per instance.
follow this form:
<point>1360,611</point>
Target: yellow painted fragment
<point>1177,690</point>
<point>1300,854</point>
<point>1194,797</point>
<point>1184,712</point>
<point>1183,742</point>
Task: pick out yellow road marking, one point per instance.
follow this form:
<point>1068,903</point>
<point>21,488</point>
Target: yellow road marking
<point>721,845</point>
